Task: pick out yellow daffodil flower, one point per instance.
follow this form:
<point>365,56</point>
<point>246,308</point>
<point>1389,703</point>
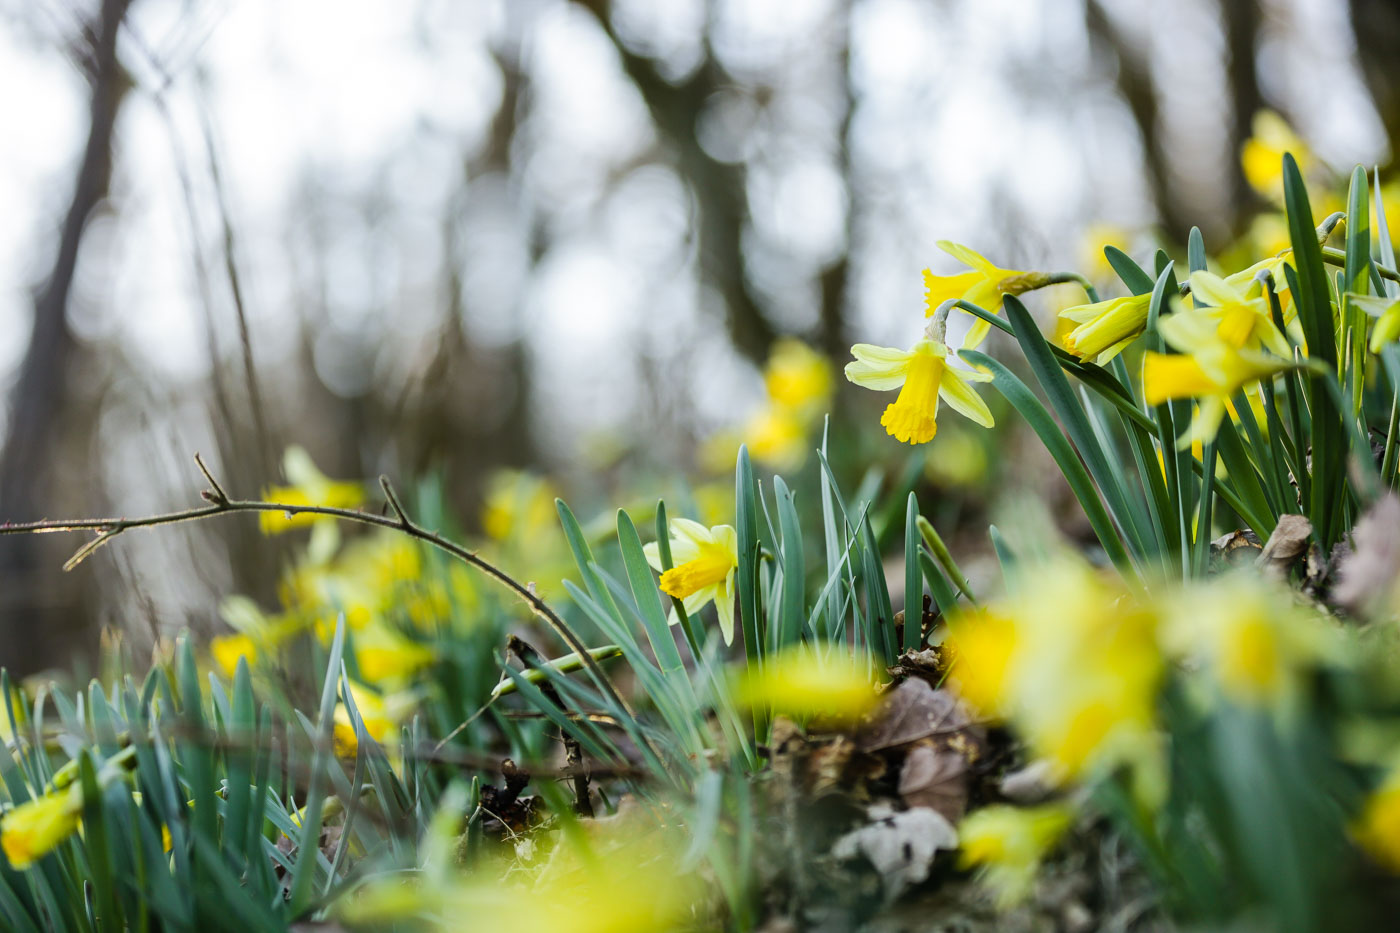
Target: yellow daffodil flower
<point>1378,828</point>
<point>309,486</point>
<point>380,714</point>
<point>798,378</point>
<point>833,686</point>
<point>384,657</point>
<point>922,376</point>
<point>1008,844</point>
<point>1261,156</point>
<point>1386,311</point>
<point>705,562</point>
<point>227,649</point>
<point>1257,646</point>
<point>35,828</point>
<point>983,285</point>
<point>1106,327</point>
<point>1208,369</point>
<point>1243,322</point>
<point>517,504</point>
<point>775,435</point>
<point>982,643</point>
<point>1071,662</point>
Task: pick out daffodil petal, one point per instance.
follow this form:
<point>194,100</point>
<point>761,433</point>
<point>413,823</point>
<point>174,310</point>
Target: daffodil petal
<point>963,399</point>
<point>1213,289</point>
<point>878,368</point>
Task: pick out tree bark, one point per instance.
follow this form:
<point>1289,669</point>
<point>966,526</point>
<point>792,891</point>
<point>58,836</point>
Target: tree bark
<point>33,614</point>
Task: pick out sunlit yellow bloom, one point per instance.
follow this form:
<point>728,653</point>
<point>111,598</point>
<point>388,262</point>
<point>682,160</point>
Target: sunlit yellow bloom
<point>1378,828</point>
<point>227,649</point>
<point>1092,241</point>
<point>1212,372</point>
<point>517,503</point>
<point>705,562</point>
<point>1243,322</point>
<point>802,681</point>
<point>982,643</point>
<point>625,880</point>
<point>1261,156</point>
<point>1255,643</point>
<point>380,714</point>
<point>1071,661</point>
<point>958,459</point>
<point>984,286</point>
<point>1106,327</point>
<point>775,435</point>
<point>1386,311</point>
<point>383,656</point>
<point>309,486</point>
<point>34,828</point>
<point>1008,844</point>
<point>922,376</point>
<point>797,377</point>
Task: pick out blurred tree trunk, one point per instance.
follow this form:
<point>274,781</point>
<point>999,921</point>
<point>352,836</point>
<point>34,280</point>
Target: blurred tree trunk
<point>1241,21</point>
<point>1376,24</point>
<point>39,614</point>
<point>718,187</point>
<point>1139,92</point>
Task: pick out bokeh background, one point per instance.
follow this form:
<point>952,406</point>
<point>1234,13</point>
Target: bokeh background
<point>451,237</point>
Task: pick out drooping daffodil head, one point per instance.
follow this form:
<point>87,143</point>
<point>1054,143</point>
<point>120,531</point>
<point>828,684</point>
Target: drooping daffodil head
<point>1243,319</point>
<point>984,284</point>
<point>923,377</point>
<point>704,562</point>
<point>1207,368</point>
<point>1106,327</point>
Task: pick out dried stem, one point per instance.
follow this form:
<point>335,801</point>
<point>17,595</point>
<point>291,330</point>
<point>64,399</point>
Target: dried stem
<point>221,504</point>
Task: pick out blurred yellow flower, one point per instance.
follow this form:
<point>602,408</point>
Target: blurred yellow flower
<point>798,378</point>
<point>705,561</point>
<point>1208,369</point>
<point>384,657</point>
<point>1377,830</point>
<point>309,486</point>
<point>1256,644</point>
<point>380,714</point>
<point>1261,156</point>
<point>922,376</point>
<point>1243,322</point>
<point>1106,327</point>
<point>517,504</point>
<point>1092,240</point>
<point>227,649</point>
<point>984,285</point>
<point>832,686</point>
<point>1008,844</point>
<point>36,827</point>
<point>1071,661</point>
<point>982,643</point>
<point>776,436</point>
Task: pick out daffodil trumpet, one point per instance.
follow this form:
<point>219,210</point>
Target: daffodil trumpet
<point>923,378</point>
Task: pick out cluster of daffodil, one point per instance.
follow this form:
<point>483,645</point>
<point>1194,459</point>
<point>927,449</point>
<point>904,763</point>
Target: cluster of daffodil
<point>1078,662</point>
<point>797,393</point>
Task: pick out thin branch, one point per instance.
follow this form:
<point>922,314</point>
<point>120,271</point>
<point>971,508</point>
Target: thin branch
<point>221,504</point>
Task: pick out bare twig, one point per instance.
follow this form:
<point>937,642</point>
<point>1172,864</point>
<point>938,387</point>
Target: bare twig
<point>573,752</point>
<point>221,504</point>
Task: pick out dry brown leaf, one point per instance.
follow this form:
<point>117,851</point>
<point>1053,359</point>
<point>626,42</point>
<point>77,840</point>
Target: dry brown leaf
<point>936,777</point>
<point>914,711</point>
<point>1288,543</point>
<point>1368,573</point>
